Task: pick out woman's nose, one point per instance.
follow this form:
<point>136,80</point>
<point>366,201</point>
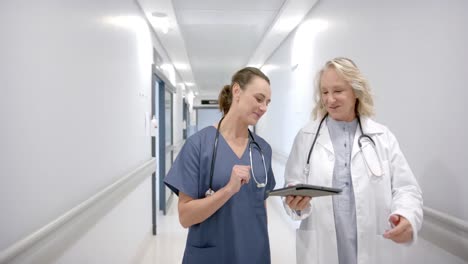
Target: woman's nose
<point>330,98</point>
<point>263,107</point>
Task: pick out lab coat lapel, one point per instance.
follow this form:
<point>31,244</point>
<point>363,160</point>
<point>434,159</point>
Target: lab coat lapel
<point>356,148</point>
<point>370,128</point>
<point>324,138</point>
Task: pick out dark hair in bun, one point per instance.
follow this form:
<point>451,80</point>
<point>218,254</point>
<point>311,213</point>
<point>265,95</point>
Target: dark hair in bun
<point>242,77</point>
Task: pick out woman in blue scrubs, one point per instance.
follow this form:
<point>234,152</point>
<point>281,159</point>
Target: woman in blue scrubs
<point>228,225</point>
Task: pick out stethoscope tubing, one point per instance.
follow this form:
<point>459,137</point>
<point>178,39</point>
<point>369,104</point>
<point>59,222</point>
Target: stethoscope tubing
<point>215,150</point>
<point>318,131</point>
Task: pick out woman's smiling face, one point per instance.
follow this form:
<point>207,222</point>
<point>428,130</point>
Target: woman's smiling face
<point>337,96</point>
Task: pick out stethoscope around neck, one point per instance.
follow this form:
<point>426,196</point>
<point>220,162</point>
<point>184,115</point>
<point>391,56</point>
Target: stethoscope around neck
<point>362,137</point>
<point>251,142</point>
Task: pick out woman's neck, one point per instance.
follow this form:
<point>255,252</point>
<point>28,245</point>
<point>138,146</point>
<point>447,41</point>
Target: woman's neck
<point>233,127</point>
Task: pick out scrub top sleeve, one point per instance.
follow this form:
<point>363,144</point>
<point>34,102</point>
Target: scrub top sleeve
<point>184,173</point>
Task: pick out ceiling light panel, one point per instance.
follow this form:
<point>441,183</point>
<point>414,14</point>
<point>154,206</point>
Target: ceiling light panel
<point>228,4</point>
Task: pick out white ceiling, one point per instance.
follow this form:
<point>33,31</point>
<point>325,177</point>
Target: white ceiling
<point>215,38</point>
<point>221,35</point>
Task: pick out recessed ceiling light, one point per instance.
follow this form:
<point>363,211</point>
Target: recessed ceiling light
<point>160,21</point>
<point>159,14</point>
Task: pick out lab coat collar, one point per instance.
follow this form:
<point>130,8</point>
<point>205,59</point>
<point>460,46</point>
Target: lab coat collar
<point>311,127</point>
<point>323,137</point>
<point>369,127</point>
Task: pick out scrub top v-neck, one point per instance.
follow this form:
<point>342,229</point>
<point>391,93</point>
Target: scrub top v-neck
<point>237,232</point>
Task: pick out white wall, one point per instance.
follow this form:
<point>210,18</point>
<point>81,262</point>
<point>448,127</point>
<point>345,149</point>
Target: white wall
<point>414,55</point>
<point>75,81</point>
<point>178,116</point>
<point>207,117</point>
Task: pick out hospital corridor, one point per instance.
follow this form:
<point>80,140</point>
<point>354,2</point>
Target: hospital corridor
<point>233,131</point>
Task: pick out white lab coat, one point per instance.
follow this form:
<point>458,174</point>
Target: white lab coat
<point>376,198</point>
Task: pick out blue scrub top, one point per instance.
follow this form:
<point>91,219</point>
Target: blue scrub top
<point>237,232</point>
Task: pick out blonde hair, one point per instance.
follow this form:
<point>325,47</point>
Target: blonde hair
<point>347,69</point>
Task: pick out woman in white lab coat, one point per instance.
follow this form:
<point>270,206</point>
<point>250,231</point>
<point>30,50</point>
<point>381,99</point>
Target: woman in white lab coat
<point>380,206</point>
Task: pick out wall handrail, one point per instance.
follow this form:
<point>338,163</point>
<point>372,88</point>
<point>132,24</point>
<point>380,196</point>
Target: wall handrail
<point>148,167</point>
<point>447,219</point>
<point>445,231</point>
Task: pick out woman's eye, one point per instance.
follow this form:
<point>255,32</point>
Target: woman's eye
<point>258,99</point>
<point>324,92</point>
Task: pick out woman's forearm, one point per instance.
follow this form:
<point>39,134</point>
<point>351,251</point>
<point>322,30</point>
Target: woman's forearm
<point>194,211</point>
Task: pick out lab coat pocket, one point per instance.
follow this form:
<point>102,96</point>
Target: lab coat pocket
<point>198,255</point>
<point>382,192</point>
<point>371,160</point>
<point>306,247</point>
<point>386,251</point>
<point>382,223</point>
